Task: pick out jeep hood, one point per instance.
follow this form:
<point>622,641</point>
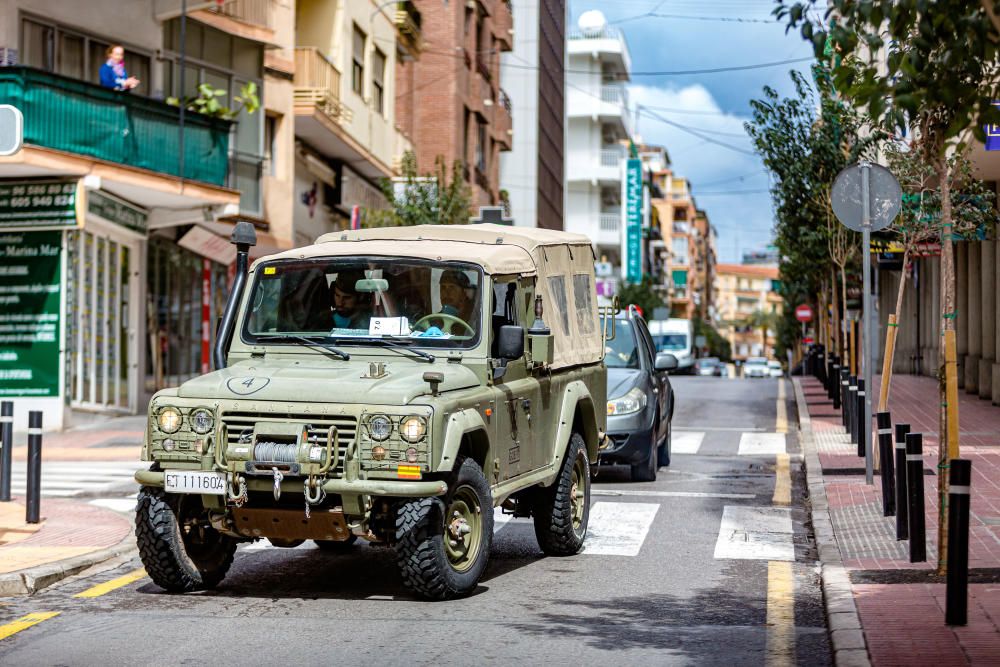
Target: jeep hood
<point>332,382</point>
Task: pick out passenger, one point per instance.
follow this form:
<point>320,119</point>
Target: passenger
<point>113,74</point>
<point>457,295</point>
<point>348,311</point>
<point>303,303</point>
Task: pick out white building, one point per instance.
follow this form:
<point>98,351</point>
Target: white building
<point>598,129</point>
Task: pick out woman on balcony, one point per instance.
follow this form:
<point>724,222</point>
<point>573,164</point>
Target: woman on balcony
<point>113,74</point>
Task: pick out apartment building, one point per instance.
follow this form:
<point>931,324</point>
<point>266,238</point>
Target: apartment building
<point>741,292</point>
<point>449,102</point>
<point>347,133</point>
<point>703,242</point>
<point>531,173</point>
<point>598,133</point>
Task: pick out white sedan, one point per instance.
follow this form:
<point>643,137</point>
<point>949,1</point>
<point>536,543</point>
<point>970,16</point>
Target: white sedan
<point>775,368</point>
<point>756,367</point>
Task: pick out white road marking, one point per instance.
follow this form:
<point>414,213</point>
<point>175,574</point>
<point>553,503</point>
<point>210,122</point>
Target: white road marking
<point>618,529</point>
<point>755,533</point>
<point>762,444</point>
<point>687,442</point>
<point>672,494</point>
<point>116,504</point>
<point>500,520</point>
<point>63,479</point>
<point>740,429</point>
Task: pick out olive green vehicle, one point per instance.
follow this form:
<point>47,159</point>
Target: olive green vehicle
<point>392,385</point>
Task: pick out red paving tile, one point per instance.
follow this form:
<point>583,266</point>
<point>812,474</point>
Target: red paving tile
<point>904,623</point>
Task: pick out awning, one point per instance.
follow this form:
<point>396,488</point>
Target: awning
<point>211,240</point>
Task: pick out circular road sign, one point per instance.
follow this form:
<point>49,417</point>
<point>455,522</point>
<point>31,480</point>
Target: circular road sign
<point>804,313</point>
<point>884,196</point>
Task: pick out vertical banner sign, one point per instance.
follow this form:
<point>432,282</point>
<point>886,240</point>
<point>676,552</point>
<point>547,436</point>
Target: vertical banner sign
<point>633,220</point>
<point>29,313</point>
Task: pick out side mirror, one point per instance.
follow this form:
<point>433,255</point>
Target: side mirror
<point>665,362</point>
<point>511,342</point>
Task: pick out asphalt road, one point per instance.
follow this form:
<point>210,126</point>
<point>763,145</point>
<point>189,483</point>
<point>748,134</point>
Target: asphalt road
<point>708,565</point>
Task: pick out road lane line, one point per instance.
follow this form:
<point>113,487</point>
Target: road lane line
<point>762,444</point>
<point>781,420</point>
<point>755,533</point>
<point>780,615</point>
<point>672,494</point>
<point>782,482</point>
<point>618,529</point>
<point>108,586</point>
<point>686,443</point>
<point>25,622</point>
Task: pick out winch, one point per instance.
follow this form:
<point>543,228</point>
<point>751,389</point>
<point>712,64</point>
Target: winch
<point>287,448</point>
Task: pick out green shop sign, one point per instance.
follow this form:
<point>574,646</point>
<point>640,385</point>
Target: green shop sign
<point>117,210</point>
<point>36,204</point>
<point>29,313</point>
<point>633,220</point>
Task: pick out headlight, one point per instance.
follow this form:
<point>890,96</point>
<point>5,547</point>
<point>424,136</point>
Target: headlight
<point>202,421</point>
<point>413,429</point>
<point>633,401</point>
<point>379,428</point>
<point>169,420</point>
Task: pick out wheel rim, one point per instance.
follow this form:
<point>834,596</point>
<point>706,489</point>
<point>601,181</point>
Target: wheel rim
<point>463,529</point>
<point>578,492</point>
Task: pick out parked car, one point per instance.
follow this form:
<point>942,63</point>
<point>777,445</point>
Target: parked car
<point>640,399</point>
<point>756,367</point>
<point>775,368</point>
<point>709,366</point>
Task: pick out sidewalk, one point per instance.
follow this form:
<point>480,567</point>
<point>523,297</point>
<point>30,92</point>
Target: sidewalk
<point>114,439</point>
<point>900,604</point>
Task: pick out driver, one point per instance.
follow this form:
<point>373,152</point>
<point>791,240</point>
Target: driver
<point>348,312</point>
<point>457,294</point>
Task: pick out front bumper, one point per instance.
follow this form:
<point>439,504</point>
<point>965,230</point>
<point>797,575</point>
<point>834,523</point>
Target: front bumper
<point>631,437</point>
<point>369,487</point>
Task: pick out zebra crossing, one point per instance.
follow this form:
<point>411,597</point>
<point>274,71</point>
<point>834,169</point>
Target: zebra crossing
<point>69,479</point>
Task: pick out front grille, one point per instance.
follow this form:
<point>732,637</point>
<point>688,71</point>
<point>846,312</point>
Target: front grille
<point>239,424</point>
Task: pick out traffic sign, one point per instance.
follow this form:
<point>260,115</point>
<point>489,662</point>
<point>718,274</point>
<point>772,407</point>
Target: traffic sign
<point>804,313</point>
<point>11,129</point>
<point>884,196</point>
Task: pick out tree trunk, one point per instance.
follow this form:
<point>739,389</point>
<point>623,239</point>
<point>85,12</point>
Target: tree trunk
<point>946,449</point>
<point>848,354</point>
<point>891,332</point>
<point>835,315</point>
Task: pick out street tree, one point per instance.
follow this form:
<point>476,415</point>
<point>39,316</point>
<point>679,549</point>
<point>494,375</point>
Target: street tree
<point>438,198</point>
<point>764,320</point>
<point>931,68</point>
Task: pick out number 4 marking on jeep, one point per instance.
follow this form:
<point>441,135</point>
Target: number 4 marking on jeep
<point>246,383</point>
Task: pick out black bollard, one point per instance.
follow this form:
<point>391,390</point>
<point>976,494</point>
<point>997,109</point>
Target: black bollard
<point>915,489</point>
<point>859,419</point>
<point>34,488</point>
<point>852,402</point>
<point>6,447</point>
<point>835,384</point>
<point>885,452</point>
<point>902,500</point>
<point>844,382</point>
<point>957,590</point>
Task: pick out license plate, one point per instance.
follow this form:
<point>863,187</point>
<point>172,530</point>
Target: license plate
<point>189,481</point>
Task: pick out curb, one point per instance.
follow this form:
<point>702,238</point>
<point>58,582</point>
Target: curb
<point>33,579</point>
<point>846,635</point>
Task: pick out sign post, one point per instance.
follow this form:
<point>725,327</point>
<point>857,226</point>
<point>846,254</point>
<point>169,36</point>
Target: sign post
<point>866,197</point>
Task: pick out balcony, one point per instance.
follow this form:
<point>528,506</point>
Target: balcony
<point>602,169</point>
<point>407,21</point>
<point>252,12</point>
<point>607,104</point>
<point>609,229</point>
<point>608,44</point>
<point>317,85</point>
<point>78,117</point>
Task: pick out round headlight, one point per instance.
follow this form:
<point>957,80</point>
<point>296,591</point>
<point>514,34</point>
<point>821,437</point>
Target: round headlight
<point>379,428</point>
<point>168,445</point>
<point>169,420</point>
<point>413,428</point>
<point>378,452</point>
<point>202,421</point>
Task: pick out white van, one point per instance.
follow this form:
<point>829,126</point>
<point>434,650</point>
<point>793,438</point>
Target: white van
<point>675,336</point>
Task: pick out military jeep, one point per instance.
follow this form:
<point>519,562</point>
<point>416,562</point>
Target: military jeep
<point>392,385</point>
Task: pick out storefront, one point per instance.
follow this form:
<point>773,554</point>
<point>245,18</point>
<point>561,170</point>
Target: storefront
<point>69,330</point>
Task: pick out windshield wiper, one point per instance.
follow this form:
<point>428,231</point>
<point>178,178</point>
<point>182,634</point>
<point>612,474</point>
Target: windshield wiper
<point>308,340</point>
<point>394,343</point>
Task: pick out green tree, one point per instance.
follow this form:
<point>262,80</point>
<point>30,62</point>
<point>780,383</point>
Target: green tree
<point>766,321</point>
<point>642,294</point>
<point>931,68</point>
<point>717,344</point>
<point>440,198</point>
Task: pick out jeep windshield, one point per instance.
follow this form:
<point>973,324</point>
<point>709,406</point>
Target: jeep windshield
<point>358,300</point>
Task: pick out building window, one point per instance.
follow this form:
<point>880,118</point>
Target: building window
<point>270,136</point>
<point>481,147</point>
<point>680,249</point>
<point>378,81</point>
<point>78,55</point>
<point>358,64</point>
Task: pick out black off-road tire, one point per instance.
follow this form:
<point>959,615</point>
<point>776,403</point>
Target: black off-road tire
<point>337,546</point>
<point>555,529</point>
<point>663,453</point>
<point>421,554</point>
<point>162,549</point>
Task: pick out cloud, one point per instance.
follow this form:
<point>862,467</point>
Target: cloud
<point>690,124</point>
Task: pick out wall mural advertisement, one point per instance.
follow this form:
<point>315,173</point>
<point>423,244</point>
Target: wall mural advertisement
<point>29,313</point>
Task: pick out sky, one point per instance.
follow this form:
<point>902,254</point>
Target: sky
<point>730,185</point>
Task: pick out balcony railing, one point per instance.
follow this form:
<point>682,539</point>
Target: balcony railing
<point>317,83</point>
<point>610,222</point>
<point>483,68</point>
<point>614,94</point>
<point>505,102</point>
<point>607,32</point>
<point>612,157</point>
<point>254,12</point>
<point>79,117</point>
<point>407,20</point>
